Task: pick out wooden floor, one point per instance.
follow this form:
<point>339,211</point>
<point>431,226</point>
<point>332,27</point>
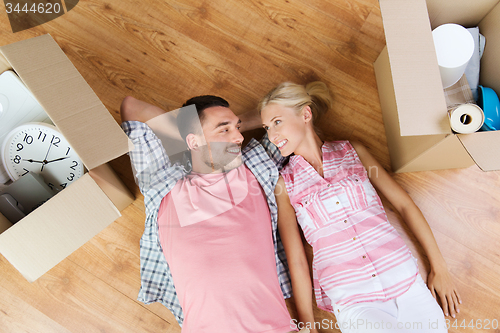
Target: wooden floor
<point>164,52</point>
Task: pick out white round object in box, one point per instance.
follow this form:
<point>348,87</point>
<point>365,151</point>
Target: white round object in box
<point>40,148</point>
<point>466,118</point>
<point>454,48</point>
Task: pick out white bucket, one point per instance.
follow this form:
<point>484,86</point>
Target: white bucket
<point>454,48</point>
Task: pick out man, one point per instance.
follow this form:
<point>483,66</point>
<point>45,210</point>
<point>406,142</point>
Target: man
<point>210,250</point>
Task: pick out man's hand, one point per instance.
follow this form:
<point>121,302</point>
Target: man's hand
<point>133,109</point>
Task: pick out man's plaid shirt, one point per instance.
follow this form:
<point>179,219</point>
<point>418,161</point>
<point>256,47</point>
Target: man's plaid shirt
<point>156,177</point>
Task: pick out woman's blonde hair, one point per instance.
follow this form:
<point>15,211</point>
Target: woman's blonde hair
<point>315,95</point>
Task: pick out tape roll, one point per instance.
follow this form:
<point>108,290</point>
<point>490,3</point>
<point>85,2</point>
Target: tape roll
<point>466,118</point>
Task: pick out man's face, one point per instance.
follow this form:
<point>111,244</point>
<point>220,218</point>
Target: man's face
<point>221,128</point>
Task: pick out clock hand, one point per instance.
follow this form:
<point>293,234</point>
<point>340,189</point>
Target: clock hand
<point>33,161</point>
<point>57,159</point>
<point>46,155</point>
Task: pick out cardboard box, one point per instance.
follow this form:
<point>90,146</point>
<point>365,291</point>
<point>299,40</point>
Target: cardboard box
<point>414,110</point>
<point>68,220</point>
<point>4,64</point>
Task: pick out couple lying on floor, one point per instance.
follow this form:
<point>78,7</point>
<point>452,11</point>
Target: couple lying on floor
<point>222,246</point>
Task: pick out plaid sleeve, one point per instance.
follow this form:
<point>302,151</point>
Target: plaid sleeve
<point>273,152</point>
<point>156,176</point>
<point>149,159</point>
<point>157,284</point>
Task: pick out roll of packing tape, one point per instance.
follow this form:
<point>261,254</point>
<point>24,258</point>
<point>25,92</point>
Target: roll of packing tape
<point>466,118</point>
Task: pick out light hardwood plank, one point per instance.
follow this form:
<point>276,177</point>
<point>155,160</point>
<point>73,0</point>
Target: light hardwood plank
<point>18,316</point>
<point>79,301</point>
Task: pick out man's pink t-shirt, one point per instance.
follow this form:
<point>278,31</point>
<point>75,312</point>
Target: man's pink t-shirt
<point>215,232</point>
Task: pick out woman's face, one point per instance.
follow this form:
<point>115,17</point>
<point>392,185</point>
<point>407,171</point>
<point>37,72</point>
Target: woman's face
<point>285,126</point>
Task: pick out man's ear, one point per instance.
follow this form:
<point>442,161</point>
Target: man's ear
<point>192,141</point>
<point>307,114</point>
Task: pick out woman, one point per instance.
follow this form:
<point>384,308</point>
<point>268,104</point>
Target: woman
<point>362,270</point>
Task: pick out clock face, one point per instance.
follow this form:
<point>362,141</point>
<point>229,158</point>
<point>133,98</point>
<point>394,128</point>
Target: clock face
<point>41,148</point>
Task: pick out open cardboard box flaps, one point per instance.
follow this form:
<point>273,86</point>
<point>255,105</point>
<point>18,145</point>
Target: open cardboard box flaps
<point>60,226</point>
<point>415,115</point>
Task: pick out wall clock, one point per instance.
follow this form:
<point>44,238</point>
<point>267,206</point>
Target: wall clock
<point>40,148</point>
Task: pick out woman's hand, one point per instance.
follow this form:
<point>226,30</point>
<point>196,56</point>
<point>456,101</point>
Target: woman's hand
<point>441,284</point>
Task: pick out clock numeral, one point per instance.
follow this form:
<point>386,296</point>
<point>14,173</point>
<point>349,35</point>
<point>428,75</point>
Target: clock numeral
<point>71,177</point>
<point>63,185</point>
<point>51,186</point>
<point>55,140</point>
<point>17,159</point>
<point>28,138</point>
<point>20,146</point>
<point>67,152</point>
<point>75,164</point>
<point>25,172</point>
<point>40,135</point>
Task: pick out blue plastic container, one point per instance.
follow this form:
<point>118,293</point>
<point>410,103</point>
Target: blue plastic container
<point>488,101</point>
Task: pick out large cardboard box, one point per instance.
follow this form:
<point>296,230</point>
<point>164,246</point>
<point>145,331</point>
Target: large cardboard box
<point>53,231</point>
<point>414,110</point>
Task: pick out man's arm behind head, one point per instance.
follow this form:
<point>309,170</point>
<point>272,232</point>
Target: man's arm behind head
<point>133,109</point>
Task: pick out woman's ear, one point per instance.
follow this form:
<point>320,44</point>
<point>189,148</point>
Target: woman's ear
<point>192,141</point>
<point>307,113</point>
